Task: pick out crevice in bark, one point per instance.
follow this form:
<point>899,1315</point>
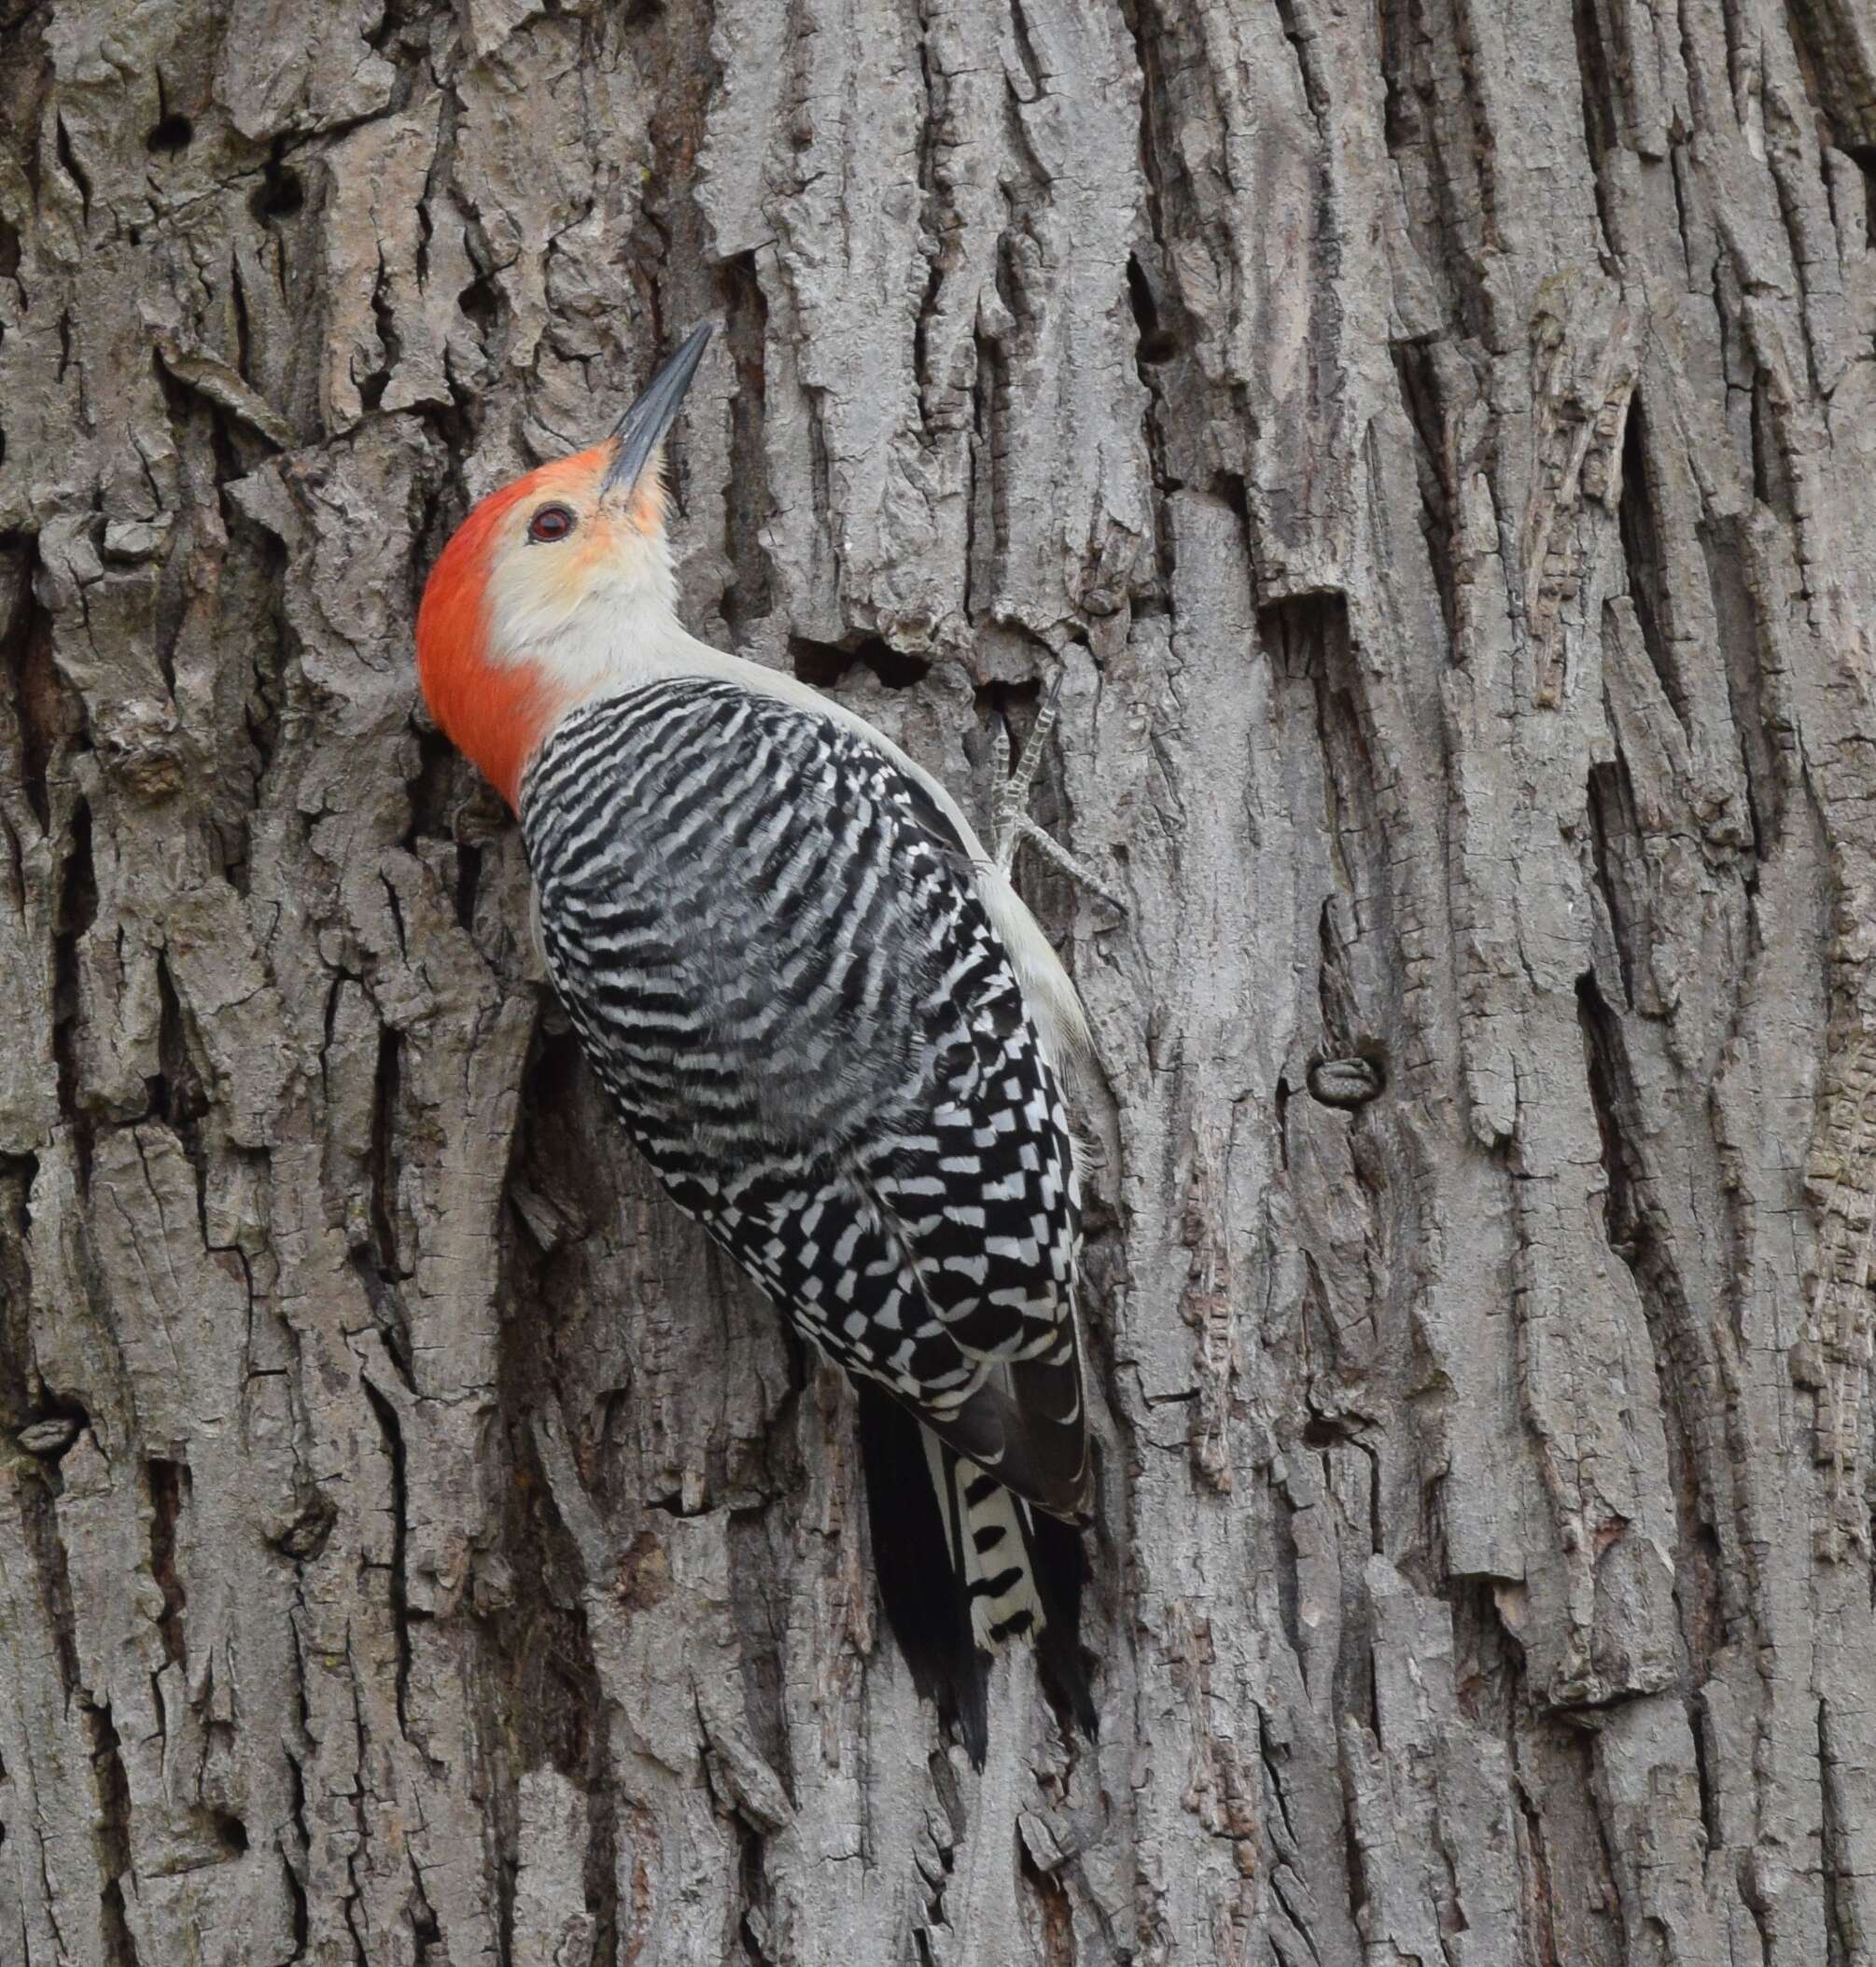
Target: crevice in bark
<point>1015,706</point>
<point>1308,638</point>
<point>169,1487</point>
<point>463,892</point>
<point>758,1644</point>
<point>1056,1922</point>
<point>1836,1861</point>
<point>69,164</point>
<point>18,1173</point>
<point>826,664</point>
<point>1615,852</point>
<point>371,387</point>
<point>41,702</point>
<point>1704,1774</point>
<point>1443,140</point>
<point>543,1672</point>
<point>1689,1386</point>
<point>1771,477</point>
<point>38,1521</point>
<point>450,801</point>
<point>177,1097</point>
<point>1418,376</point>
<point>1762,767</point>
<point>77,909</point>
<point>384,1245</point>
<point>392,1431</point>
<point>938,221</point>
<point>1831,41</point>
<point>747,500</point>
<point>752,1878</point>
<point>1289,1590</point>
<point>113,1832</point>
<point>1600,100</point>
<point>1864,157</point>
<point>1642,551</point>
<point>1538,1908</point>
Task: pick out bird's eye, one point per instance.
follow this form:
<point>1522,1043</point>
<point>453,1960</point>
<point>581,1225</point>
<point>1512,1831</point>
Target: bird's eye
<point>550,524</point>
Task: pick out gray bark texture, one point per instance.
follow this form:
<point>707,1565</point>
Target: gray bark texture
<point>1435,442</point>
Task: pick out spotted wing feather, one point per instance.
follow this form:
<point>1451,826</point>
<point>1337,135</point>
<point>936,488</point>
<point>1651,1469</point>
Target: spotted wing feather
<point>773,949</point>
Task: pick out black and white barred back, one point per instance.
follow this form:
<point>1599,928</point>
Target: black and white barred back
<point>769,939</point>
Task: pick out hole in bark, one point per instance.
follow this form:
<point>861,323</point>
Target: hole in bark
<point>280,194</point>
<point>9,250</point>
<point>1161,323</point>
<point>230,1832</point>
<point>478,301</point>
<point>1322,1430</point>
<point>825,664</point>
<point>173,134</point>
<point>1307,633</point>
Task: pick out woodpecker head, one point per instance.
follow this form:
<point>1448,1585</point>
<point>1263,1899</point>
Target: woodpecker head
<point>546,580</point>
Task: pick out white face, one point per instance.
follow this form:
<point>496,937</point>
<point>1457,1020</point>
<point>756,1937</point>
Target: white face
<point>577,584</point>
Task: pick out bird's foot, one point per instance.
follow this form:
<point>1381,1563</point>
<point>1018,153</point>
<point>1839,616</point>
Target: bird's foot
<point>1009,804</point>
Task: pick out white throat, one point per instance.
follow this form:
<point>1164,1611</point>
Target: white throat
<point>589,631</point>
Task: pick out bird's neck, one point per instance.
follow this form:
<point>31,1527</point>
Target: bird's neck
<point>510,710</point>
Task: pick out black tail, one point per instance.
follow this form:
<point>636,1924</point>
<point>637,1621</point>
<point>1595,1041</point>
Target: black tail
<point>932,1559</point>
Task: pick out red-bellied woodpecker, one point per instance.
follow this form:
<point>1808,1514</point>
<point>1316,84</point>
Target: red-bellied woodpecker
<point>824,1016</point>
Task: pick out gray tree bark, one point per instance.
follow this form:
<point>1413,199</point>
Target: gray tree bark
<point>1439,442</point>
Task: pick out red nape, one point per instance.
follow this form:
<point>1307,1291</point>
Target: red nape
<point>493,714</point>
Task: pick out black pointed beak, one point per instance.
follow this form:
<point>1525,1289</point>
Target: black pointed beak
<point>642,429</point>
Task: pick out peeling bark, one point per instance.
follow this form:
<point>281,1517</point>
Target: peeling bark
<point>1436,447</point>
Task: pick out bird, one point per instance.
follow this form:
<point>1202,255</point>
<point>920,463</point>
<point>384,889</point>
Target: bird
<point>823,1016</point>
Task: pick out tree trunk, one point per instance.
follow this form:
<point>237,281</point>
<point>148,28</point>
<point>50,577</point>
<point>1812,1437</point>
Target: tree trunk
<point>1436,444</point>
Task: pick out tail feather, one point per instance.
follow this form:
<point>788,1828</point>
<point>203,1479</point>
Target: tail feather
<point>965,1566</point>
<point>989,1547</point>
